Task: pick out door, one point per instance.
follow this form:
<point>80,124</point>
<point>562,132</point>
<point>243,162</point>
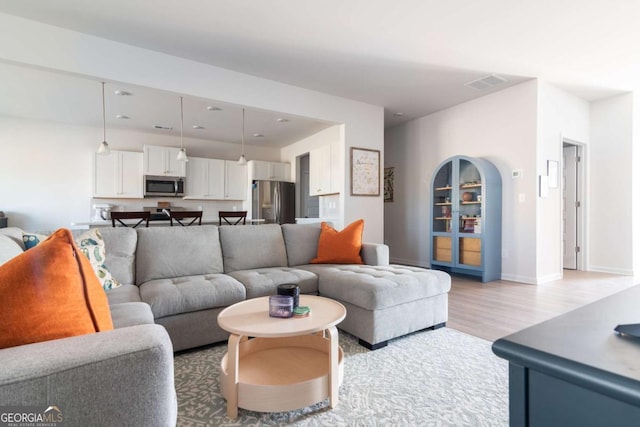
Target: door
<point>235,181</point>
<point>105,175</point>
<point>262,201</point>
<point>320,171</point>
<point>570,206</point>
<point>196,178</point>
<point>131,174</point>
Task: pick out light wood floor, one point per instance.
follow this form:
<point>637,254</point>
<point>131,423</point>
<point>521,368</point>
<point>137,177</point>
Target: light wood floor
<point>495,309</point>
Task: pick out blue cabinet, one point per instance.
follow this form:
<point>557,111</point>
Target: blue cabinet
<point>466,222</point>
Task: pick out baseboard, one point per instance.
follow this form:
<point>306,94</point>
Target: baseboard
<point>528,280</point>
<point>549,278</point>
<point>601,269</point>
<point>510,277</point>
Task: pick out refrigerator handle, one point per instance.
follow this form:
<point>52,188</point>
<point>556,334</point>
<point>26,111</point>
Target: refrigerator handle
<point>276,202</point>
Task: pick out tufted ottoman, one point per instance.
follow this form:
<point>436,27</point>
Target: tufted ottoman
<point>385,302</point>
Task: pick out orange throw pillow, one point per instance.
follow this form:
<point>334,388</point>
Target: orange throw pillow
<point>50,292</point>
<point>340,247</point>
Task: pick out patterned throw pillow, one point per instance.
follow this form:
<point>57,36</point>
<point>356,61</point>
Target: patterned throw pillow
<point>92,245</point>
<point>32,239</point>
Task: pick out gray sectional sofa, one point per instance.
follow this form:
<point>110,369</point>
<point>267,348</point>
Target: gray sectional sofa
<point>188,275</point>
<point>176,280</point>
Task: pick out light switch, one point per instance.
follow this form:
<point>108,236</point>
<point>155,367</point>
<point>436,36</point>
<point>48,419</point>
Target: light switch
<point>521,197</point>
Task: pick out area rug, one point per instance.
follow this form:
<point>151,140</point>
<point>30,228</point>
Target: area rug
<point>431,378</point>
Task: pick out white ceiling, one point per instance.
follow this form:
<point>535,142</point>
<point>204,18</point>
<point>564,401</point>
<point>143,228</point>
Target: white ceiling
<point>64,98</point>
<point>409,56</point>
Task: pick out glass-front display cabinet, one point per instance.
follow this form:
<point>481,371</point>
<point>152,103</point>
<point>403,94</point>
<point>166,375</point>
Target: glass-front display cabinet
<point>466,221</point>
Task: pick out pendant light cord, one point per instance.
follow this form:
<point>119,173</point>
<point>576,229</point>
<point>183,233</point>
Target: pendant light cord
<point>181,124</point>
<point>104,117</point>
<point>243,131</point>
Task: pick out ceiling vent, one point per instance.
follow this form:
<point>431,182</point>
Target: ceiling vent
<point>486,82</point>
<point>162,127</point>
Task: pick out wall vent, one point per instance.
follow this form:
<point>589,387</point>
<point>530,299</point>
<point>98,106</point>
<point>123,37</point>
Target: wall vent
<point>486,82</point>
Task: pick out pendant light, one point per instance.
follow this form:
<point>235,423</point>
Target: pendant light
<point>182,154</point>
<point>104,146</point>
<point>242,160</point>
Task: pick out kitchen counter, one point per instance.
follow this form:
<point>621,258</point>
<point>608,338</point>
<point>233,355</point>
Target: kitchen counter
<point>156,222</point>
<point>311,220</point>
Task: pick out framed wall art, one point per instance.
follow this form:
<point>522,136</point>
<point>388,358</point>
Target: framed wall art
<point>365,172</point>
<point>388,184</point>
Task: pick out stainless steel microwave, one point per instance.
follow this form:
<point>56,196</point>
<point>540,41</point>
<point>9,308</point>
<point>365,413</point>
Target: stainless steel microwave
<point>163,186</point>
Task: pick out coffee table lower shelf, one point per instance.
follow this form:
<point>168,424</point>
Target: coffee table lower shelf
<point>282,374</point>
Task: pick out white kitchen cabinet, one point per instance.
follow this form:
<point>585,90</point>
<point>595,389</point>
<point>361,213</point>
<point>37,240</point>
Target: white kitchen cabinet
<point>270,171</point>
<point>236,181</point>
<point>205,179</point>
<point>162,161</point>
<point>324,177</point>
<point>118,175</point>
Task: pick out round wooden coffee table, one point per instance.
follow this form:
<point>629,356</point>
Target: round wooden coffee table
<point>288,363</point>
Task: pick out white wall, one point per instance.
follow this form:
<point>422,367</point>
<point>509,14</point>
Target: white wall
<point>560,115</point>
<point>68,51</point>
<point>500,127</point>
<point>611,190</point>
<point>635,171</point>
<point>47,171</point>
<point>521,128</point>
<point>333,136</point>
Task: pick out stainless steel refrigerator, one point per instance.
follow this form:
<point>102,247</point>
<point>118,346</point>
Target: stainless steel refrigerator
<point>274,201</point>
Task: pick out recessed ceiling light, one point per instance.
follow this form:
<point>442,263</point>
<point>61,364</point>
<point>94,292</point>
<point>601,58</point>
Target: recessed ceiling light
<point>123,93</point>
<point>212,108</point>
<point>162,127</point>
<point>398,114</point>
<point>197,127</point>
<point>283,120</point>
<point>122,116</point>
<point>258,135</point>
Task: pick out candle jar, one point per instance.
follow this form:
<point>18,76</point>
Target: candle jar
<point>292,290</point>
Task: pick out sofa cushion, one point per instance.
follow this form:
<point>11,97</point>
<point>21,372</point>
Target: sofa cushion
<point>120,246</point>
<point>167,252</point>
<point>301,241</point>
<point>8,249</point>
<point>50,292</point>
<point>378,287</point>
<point>340,247</point>
<point>15,234</point>
<point>261,282</point>
<point>124,293</point>
<point>191,293</point>
<point>249,247</point>
<point>131,314</point>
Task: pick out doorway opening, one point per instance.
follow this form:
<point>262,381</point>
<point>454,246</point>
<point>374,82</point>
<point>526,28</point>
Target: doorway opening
<point>309,205</point>
<point>572,205</point>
